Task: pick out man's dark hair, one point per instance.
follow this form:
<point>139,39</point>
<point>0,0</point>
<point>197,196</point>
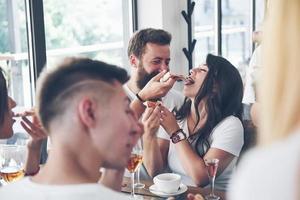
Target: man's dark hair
<point>58,85</point>
<point>139,40</point>
<point>3,97</point>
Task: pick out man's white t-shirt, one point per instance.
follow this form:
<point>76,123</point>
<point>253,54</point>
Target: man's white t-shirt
<point>269,173</point>
<point>228,136</point>
<point>26,189</point>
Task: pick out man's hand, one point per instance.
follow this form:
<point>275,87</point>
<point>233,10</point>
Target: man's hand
<point>156,89</point>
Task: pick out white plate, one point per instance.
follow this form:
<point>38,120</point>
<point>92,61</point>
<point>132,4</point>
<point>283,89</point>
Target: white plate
<point>182,188</point>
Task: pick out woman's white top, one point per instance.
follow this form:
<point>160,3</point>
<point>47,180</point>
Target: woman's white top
<point>269,173</point>
<point>228,136</point>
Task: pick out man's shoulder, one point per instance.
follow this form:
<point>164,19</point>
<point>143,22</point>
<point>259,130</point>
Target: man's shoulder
<point>26,189</point>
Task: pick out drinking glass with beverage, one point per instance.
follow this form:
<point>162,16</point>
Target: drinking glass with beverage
<point>138,183</point>
<point>136,158</point>
<point>212,168</point>
<point>12,161</point>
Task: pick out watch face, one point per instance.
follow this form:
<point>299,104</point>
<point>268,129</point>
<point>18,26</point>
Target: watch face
<point>175,138</point>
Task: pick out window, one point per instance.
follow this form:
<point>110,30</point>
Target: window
<point>94,29</point>
<point>97,29</point>
<point>236,35</point>
<point>204,30</point>
<point>14,54</point>
<point>259,13</point>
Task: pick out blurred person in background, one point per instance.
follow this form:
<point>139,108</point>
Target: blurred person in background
<point>271,171</point>
<point>34,129</point>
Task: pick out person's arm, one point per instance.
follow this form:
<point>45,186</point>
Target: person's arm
<point>154,152</point>
<point>138,107</point>
<point>192,163</point>
<point>254,113</point>
<point>154,89</point>
<point>37,133</point>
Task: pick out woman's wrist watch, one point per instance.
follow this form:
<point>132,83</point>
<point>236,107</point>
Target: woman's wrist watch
<point>178,136</point>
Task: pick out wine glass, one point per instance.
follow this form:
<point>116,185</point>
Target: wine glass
<point>138,183</point>
<point>12,161</point>
<point>136,158</point>
<point>212,167</point>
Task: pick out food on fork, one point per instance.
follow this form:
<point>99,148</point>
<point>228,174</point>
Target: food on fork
<point>152,104</point>
<point>179,77</point>
<point>169,75</point>
<point>165,77</point>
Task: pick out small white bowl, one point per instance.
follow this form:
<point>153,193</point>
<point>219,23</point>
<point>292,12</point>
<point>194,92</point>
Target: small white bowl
<point>167,182</point>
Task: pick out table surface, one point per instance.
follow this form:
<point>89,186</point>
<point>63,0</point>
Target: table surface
<point>148,195</point>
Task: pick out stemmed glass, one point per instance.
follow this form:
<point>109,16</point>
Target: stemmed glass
<point>138,183</point>
<point>212,168</point>
<point>12,160</point>
<point>136,158</point>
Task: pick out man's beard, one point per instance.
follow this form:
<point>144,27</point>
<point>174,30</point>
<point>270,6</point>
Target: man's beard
<point>144,77</point>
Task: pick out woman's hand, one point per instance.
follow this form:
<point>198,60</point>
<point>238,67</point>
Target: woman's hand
<point>195,197</point>
<point>34,129</point>
<point>168,121</point>
<point>151,120</point>
<point>37,133</point>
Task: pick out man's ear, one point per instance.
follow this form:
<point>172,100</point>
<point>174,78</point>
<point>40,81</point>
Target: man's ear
<point>133,61</point>
<point>86,110</point>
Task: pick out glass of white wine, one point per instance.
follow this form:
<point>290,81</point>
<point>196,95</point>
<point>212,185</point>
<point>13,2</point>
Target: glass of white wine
<point>12,161</point>
<point>136,158</point>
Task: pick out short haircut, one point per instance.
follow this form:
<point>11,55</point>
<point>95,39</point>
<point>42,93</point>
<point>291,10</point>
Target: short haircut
<point>3,96</point>
<point>140,39</point>
<point>58,86</point>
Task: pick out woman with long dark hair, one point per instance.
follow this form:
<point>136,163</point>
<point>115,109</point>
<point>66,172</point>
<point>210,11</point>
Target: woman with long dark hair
<point>33,128</point>
<point>207,125</point>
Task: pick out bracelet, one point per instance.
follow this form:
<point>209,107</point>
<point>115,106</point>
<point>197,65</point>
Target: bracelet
<point>139,98</point>
<point>33,173</point>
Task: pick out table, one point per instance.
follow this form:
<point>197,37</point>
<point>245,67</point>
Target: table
<point>148,195</point>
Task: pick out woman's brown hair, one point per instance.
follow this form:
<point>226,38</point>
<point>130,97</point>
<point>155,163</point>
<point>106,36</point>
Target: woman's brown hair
<point>3,96</point>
